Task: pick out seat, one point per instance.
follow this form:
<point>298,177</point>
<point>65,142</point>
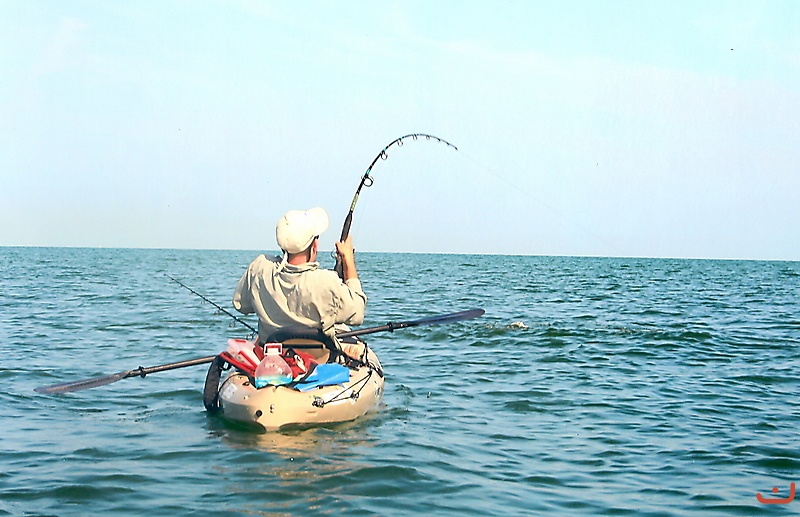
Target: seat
<point>310,340</point>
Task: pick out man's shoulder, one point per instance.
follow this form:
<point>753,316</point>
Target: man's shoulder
<point>323,274</point>
<point>263,263</point>
<point>331,279</point>
<point>323,277</point>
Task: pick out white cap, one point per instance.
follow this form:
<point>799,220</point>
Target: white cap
<point>297,228</point>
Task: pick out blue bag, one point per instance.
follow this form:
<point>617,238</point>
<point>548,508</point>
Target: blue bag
<point>325,375</point>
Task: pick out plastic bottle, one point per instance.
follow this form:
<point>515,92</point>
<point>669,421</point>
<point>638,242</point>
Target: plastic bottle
<point>242,350</point>
<point>273,370</point>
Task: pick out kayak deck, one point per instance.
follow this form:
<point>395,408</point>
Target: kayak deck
<point>274,407</point>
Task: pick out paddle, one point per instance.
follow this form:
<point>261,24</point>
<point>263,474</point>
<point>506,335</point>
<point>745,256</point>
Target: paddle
<point>94,382</point>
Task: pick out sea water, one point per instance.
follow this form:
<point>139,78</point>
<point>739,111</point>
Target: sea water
<point>592,386</point>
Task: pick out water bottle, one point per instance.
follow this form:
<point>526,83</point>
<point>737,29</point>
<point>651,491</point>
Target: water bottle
<point>273,370</point>
<point>243,351</point>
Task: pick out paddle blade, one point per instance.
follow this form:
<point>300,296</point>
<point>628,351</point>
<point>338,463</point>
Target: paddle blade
<point>94,382</point>
<point>433,320</point>
<point>448,318</point>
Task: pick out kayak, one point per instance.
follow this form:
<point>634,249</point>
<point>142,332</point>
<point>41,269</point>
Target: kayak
<point>339,389</point>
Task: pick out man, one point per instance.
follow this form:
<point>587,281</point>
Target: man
<point>293,290</point>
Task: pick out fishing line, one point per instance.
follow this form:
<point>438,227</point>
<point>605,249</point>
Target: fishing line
<point>519,189</point>
<point>367,181</point>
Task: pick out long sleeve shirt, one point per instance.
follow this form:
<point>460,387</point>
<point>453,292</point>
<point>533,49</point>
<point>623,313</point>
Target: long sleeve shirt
<point>284,295</point>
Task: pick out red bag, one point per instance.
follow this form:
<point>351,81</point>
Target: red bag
<point>301,363</point>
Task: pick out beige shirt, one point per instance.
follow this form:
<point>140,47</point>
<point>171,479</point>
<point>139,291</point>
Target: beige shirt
<point>298,295</point>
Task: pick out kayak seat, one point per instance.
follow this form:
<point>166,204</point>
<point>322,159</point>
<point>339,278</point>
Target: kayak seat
<point>310,340</point>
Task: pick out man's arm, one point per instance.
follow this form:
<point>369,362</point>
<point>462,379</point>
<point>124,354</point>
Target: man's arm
<point>242,299</point>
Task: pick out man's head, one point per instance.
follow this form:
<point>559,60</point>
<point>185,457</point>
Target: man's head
<point>297,229</point>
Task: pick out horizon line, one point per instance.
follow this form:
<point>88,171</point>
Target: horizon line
<point>479,254</point>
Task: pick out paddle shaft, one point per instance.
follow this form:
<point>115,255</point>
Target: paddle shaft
<point>94,382</point>
<point>141,372</point>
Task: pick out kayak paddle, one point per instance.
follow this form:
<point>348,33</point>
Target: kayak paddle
<point>95,382</point>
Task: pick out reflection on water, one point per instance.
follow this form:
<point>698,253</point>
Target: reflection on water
<point>295,441</point>
<point>294,470</point>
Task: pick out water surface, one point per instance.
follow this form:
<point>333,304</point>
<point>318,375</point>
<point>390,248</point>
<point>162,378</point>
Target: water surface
<point>591,387</point>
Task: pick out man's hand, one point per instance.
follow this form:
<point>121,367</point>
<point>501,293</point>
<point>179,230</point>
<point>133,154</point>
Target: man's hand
<point>347,256</point>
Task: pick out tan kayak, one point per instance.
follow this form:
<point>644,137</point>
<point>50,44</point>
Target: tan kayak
<point>274,407</point>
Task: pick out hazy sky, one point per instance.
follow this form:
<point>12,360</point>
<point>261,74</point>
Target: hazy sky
<point>667,129</point>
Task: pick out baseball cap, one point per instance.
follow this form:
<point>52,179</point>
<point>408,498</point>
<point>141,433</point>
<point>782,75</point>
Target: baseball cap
<point>297,228</point>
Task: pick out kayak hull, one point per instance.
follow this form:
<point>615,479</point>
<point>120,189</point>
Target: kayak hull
<point>274,407</point>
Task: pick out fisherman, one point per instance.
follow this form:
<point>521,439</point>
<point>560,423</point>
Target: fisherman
<point>292,290</point>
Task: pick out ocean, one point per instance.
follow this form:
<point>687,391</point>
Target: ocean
<point>591,386</point>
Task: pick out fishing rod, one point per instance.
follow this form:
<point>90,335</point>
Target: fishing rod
<point>221,309</point>
<point>367,181</point>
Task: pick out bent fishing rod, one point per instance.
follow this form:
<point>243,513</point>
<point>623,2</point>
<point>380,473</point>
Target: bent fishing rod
<point>367,181</point>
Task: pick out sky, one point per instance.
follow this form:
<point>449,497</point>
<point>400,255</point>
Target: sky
<point>583,128</point>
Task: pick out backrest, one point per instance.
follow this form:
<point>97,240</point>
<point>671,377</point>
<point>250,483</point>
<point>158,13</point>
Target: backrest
<point>310,340</point>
